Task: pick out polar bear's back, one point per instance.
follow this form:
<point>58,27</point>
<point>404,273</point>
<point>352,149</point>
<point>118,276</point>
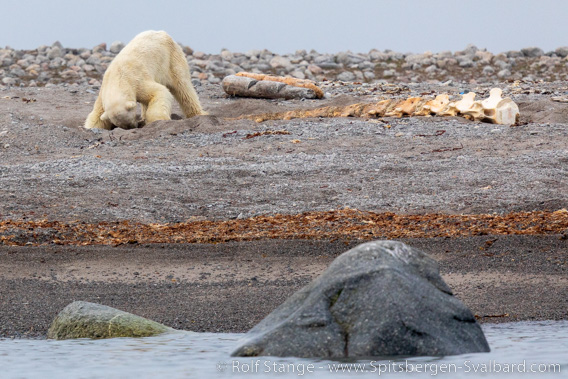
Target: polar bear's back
<point>150,51</point>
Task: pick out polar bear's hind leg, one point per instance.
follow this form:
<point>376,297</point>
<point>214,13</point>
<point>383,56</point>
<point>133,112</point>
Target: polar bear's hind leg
<point>181,85</point>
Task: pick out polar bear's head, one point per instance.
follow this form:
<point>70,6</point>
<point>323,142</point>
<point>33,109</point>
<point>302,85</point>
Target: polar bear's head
<point>122,115</point>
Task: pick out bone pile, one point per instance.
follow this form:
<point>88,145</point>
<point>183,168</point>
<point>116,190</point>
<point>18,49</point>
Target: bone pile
<point>495,109</point>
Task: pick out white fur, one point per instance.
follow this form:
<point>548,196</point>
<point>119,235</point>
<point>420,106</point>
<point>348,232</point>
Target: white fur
<point>150,70</point>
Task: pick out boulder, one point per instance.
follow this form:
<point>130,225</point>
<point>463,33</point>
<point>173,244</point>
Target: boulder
<point>82,319</point>
<point>116,47</point>
<point>379,299</point>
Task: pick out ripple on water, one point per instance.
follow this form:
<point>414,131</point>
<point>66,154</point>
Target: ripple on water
<point>539,345</point>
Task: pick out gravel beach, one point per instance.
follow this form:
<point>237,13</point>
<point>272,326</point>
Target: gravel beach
<point>217,169</point>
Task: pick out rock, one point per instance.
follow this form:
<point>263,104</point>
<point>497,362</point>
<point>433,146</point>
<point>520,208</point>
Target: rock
<point>9,81</point>
<point>214,80</point>
<point>532,52</point>
<point>369,75</point>
<point>430,69</point>
<point>381,298</point>
<point>94,59</point>
<point>82,319</point>
<point>56,63</point>
<point>376,55</point>
<point>470,50</point>
<point>54,52</point>
<point>504,74</point>
<point>346,76</point>
<point>562,52</point>
<point>227,55</point>
<point>329,65</point>
<point>484,56</point>
<point>315,69</point>
<point>348,58</point>
<point>389,73</point>
<point>280,61</point>
<point>298,74</point>
<point>100,48</point>
<point>465,61</point>
<point>488,70</point>
<point>16,70</point>
<point>253,53</point>
<point>116,46</point>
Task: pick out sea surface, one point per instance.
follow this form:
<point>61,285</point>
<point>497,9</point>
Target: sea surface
<point>521,349</point>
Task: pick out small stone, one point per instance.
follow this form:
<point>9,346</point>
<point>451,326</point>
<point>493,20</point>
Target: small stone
<point>389,73</point>
<point>315,69</point>
<point>85,54</point>
<point>514,54</point>
<point>100,48</point>
<point>376,55</point>
<point>214,80</point>
<point>346,76</point>
<point>504,74</point>
<point>116,46</point>
<point>279,61</point>
<point>54,52</point>
<point>466,62</point>
<point>488,70</point>
<point>94,60</point>
<point>186,49</point>
<point>298,74</point>
<point>532,52</point>
<point>562,52</point>
<point>369,75</point>
<point>9,81</point>
<point>227,55</point>
<point>431,69</point>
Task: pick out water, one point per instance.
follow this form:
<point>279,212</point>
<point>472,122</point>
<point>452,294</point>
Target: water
<point>525,348</point>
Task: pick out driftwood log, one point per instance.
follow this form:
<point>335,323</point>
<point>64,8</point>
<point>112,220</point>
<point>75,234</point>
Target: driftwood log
<point>270,87</point>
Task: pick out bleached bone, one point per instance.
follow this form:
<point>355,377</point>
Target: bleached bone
<point>404,108</point>
<point>498,110</point>
<point>449,110</point>
<point>439,103</point>
<point>469,108</point>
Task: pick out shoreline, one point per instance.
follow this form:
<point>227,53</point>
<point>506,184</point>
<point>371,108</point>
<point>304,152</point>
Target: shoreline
<point>230,287</point>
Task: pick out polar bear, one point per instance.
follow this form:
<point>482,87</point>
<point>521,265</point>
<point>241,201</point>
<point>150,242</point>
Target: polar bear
<point>150,70</point>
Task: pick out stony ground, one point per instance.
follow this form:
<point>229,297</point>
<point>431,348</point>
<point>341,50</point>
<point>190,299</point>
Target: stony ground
<point>218,168</point>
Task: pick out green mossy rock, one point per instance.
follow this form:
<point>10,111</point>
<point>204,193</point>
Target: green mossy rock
<point>82,319</point>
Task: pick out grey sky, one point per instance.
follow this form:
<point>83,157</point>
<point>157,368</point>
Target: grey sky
<point>287,25</point>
